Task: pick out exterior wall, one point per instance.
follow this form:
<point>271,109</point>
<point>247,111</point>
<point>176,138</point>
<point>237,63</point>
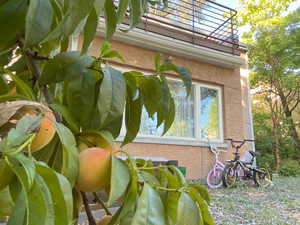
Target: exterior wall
<point>198,160</point>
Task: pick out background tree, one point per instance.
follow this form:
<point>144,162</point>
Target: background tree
<point>274,60</point>
<point>61,110</point>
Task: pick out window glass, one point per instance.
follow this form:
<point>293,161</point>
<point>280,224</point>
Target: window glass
<point>183,125</point>
<point>209,113</point>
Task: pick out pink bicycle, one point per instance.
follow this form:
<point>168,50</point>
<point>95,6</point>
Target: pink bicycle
<point>214,176</point>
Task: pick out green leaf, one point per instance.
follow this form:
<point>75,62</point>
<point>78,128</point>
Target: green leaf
<point>131,82</point>
<point>37,196</point>
<point>9,175</point>
<point>166,109</point>
<point>80,96</point>
<point>186,77</point>
<point>23,87</point>
<point>157,61</point>
<point>119,179</point>
<point>110,18</point>
<point>9,97</point>
<point>205,213</point>
<point>126,212</point>
<point>170,116</point>
<point>188,211</point>
<point>183,73</point>
<point>150,209</point>
<point>61,193</point>
<point>26,173</point>
<point>104,48</point>
<point>172,197</point>
<point>122,8</point>
<point>38,21</point>
<point>76,12</point>
<point>203,191</point>
<point>26,125</point>
<point>19,211</point>
<point>112,96</point>
<point>151,93</point>
<point>133,112</point>
<point>112,54</point>
<point>179,175</point>
<point>148,178</point>
<point>6,203</point>
<point>40,210</point>
<point>70,154</point>
<point>89,30</point>
<point>63,66</point>
<point>64,111</point>
<point>10,27</point>
<point>99,6</point>
<point>3,86</point>
<point>136,12</point>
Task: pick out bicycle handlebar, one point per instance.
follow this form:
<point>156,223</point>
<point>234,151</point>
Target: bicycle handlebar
<point>241,142</point>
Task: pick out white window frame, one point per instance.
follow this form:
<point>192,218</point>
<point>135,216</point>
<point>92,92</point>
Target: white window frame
<point>174,140</point>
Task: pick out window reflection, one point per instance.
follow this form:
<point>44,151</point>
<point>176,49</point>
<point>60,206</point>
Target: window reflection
<point>209,113</point>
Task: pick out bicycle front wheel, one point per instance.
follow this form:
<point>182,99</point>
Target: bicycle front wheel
<point>229,176</point>
<point>214,178</point>
<point>262,177</point>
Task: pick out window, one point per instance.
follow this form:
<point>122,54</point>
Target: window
<point>209,113</point>
<point>183,125</point>
<point>197,117</point>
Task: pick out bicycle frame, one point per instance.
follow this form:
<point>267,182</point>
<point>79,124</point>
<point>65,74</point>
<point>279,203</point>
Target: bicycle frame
<point>217,164</point>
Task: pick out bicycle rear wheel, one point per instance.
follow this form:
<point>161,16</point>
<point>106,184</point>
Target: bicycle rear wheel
<point>214,178</point>
<point>262,177</point>
<point>229,176</point>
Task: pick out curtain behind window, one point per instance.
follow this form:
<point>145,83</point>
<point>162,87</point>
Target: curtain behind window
<point>183,125</point>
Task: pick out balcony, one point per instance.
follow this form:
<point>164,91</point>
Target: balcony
<point>199,22</point>
<point>202,30</point>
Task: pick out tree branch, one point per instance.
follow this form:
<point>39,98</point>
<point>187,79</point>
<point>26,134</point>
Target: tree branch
<point>36,72</point>
<point>102,204</point>
<point>88,211</point>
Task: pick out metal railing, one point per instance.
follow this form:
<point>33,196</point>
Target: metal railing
<point>200,22</point>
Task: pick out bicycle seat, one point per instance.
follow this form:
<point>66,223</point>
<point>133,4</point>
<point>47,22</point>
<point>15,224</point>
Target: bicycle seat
<point>254,154</point>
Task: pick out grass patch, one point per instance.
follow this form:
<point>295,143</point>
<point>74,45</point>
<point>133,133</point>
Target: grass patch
<point>275,205</point>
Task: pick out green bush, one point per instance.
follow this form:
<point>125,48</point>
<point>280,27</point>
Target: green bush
<point>290,168</point>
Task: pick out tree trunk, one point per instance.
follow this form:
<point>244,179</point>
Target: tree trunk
<point>276,145</point>
<point>288,115</point>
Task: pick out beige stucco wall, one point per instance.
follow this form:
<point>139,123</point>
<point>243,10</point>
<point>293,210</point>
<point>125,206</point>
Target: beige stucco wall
<point>198,160</point>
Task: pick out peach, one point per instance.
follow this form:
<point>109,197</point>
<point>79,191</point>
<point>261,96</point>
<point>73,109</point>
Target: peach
<point>104,220</point>
<point>94,169</point>
<point>93,140</point>
<point>46,130</point>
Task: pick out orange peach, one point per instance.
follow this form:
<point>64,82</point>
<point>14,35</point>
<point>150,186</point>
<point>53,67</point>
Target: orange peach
<point>94,169</point>
<point>104,220</point>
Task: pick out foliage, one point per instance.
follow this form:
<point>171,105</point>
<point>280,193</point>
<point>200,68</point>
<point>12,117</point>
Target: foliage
<point>257,14</point>
<point>275,62</point>
<point>89,98</point>
<point>290,168</point>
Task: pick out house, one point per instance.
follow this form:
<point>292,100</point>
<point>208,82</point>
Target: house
<point>202,36</point>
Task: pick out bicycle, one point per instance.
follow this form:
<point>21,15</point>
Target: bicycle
<point>214,176</point>
<point>239,169</point>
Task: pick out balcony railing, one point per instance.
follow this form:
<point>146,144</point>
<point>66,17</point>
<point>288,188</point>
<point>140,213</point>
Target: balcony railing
<point>200,22</point>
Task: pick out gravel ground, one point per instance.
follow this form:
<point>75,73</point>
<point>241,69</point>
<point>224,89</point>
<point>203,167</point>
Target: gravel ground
<point>275,205</point>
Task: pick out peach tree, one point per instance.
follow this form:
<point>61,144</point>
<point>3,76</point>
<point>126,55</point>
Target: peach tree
<point>61,111</point>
